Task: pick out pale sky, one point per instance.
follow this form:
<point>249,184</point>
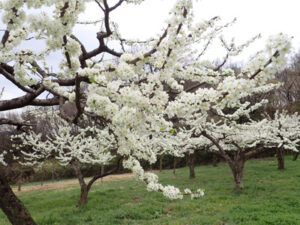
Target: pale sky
<point>267,17</point>
<point>253,16</point>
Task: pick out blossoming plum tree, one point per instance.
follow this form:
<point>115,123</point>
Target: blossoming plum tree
<point>139,96</point>
<point>237,142</point>
<point>70,144</point>
<point>220,117</point>
<point>284,135</point>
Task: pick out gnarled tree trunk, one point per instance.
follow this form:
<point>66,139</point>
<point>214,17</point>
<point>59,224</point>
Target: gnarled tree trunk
<point>236,164</point>
<point>83,186</point>
<point>12,207</point>
<point>237,171</point>
<point>280,159</point>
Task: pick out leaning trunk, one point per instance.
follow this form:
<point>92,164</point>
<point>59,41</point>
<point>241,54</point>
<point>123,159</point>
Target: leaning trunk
<point>83,195</point>
<point>280,158</point>
<point>12,207</point>
<point>83,187</point>
<point>191,163</point>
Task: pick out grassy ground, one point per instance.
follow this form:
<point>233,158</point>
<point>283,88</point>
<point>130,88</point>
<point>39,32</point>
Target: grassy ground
<point>270,197</point>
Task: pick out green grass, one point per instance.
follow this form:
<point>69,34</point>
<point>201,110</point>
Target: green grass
<point>270,197</point>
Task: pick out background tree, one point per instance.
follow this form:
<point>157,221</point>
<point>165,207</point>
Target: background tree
<point>70,144</point>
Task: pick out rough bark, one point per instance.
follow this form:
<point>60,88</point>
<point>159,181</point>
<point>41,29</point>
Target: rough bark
<point>280,159</point>
<point>191,164</point>
<point>83,185</point>
<point>12,207</point>
<point>237,171</point>
<point>236,164</point>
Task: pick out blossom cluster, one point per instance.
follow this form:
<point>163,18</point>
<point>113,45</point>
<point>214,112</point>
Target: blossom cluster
<point>87,145</point>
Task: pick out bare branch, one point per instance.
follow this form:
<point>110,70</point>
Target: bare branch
<point>18,124</point>
<point>254,152</point>
<point>45,102</point>
<point>216,143</point>
<point>98,3</point>
<point>20,101</point>
<point>116,5</point>
<point>152,51</point>
<point>222,64</point>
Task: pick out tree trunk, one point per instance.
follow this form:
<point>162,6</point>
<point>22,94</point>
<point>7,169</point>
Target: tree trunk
<point>280,158</point>
<point>295,156</point>
<point>215,160</point>
<point>83,186</point>
<point>191,163</point>
<point>83,195</point>
<point>174,165</point>
<point>102,172</point>
<point>161,163</point>
<point>237,171</point>
<point>52,176</point>
<point>12,207</point>
<point>238,179</point>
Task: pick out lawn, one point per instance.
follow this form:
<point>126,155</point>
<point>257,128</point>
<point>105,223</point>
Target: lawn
<point>270,197</point>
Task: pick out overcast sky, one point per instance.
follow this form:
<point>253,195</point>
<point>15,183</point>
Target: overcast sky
<point>266,17</point>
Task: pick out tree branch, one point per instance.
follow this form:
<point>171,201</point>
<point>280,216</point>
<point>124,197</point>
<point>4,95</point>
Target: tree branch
<point>104,175</point>
<point>116,5</point>
<point>20,101</point>
<point>276,54</point>
<point>216,143</point>
<point>11,78</point>
<point>18,124</point>
<point>45,102</point>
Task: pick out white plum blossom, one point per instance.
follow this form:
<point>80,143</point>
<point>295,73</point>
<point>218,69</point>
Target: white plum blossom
<point>141,96</point>
<point>88,145</point>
